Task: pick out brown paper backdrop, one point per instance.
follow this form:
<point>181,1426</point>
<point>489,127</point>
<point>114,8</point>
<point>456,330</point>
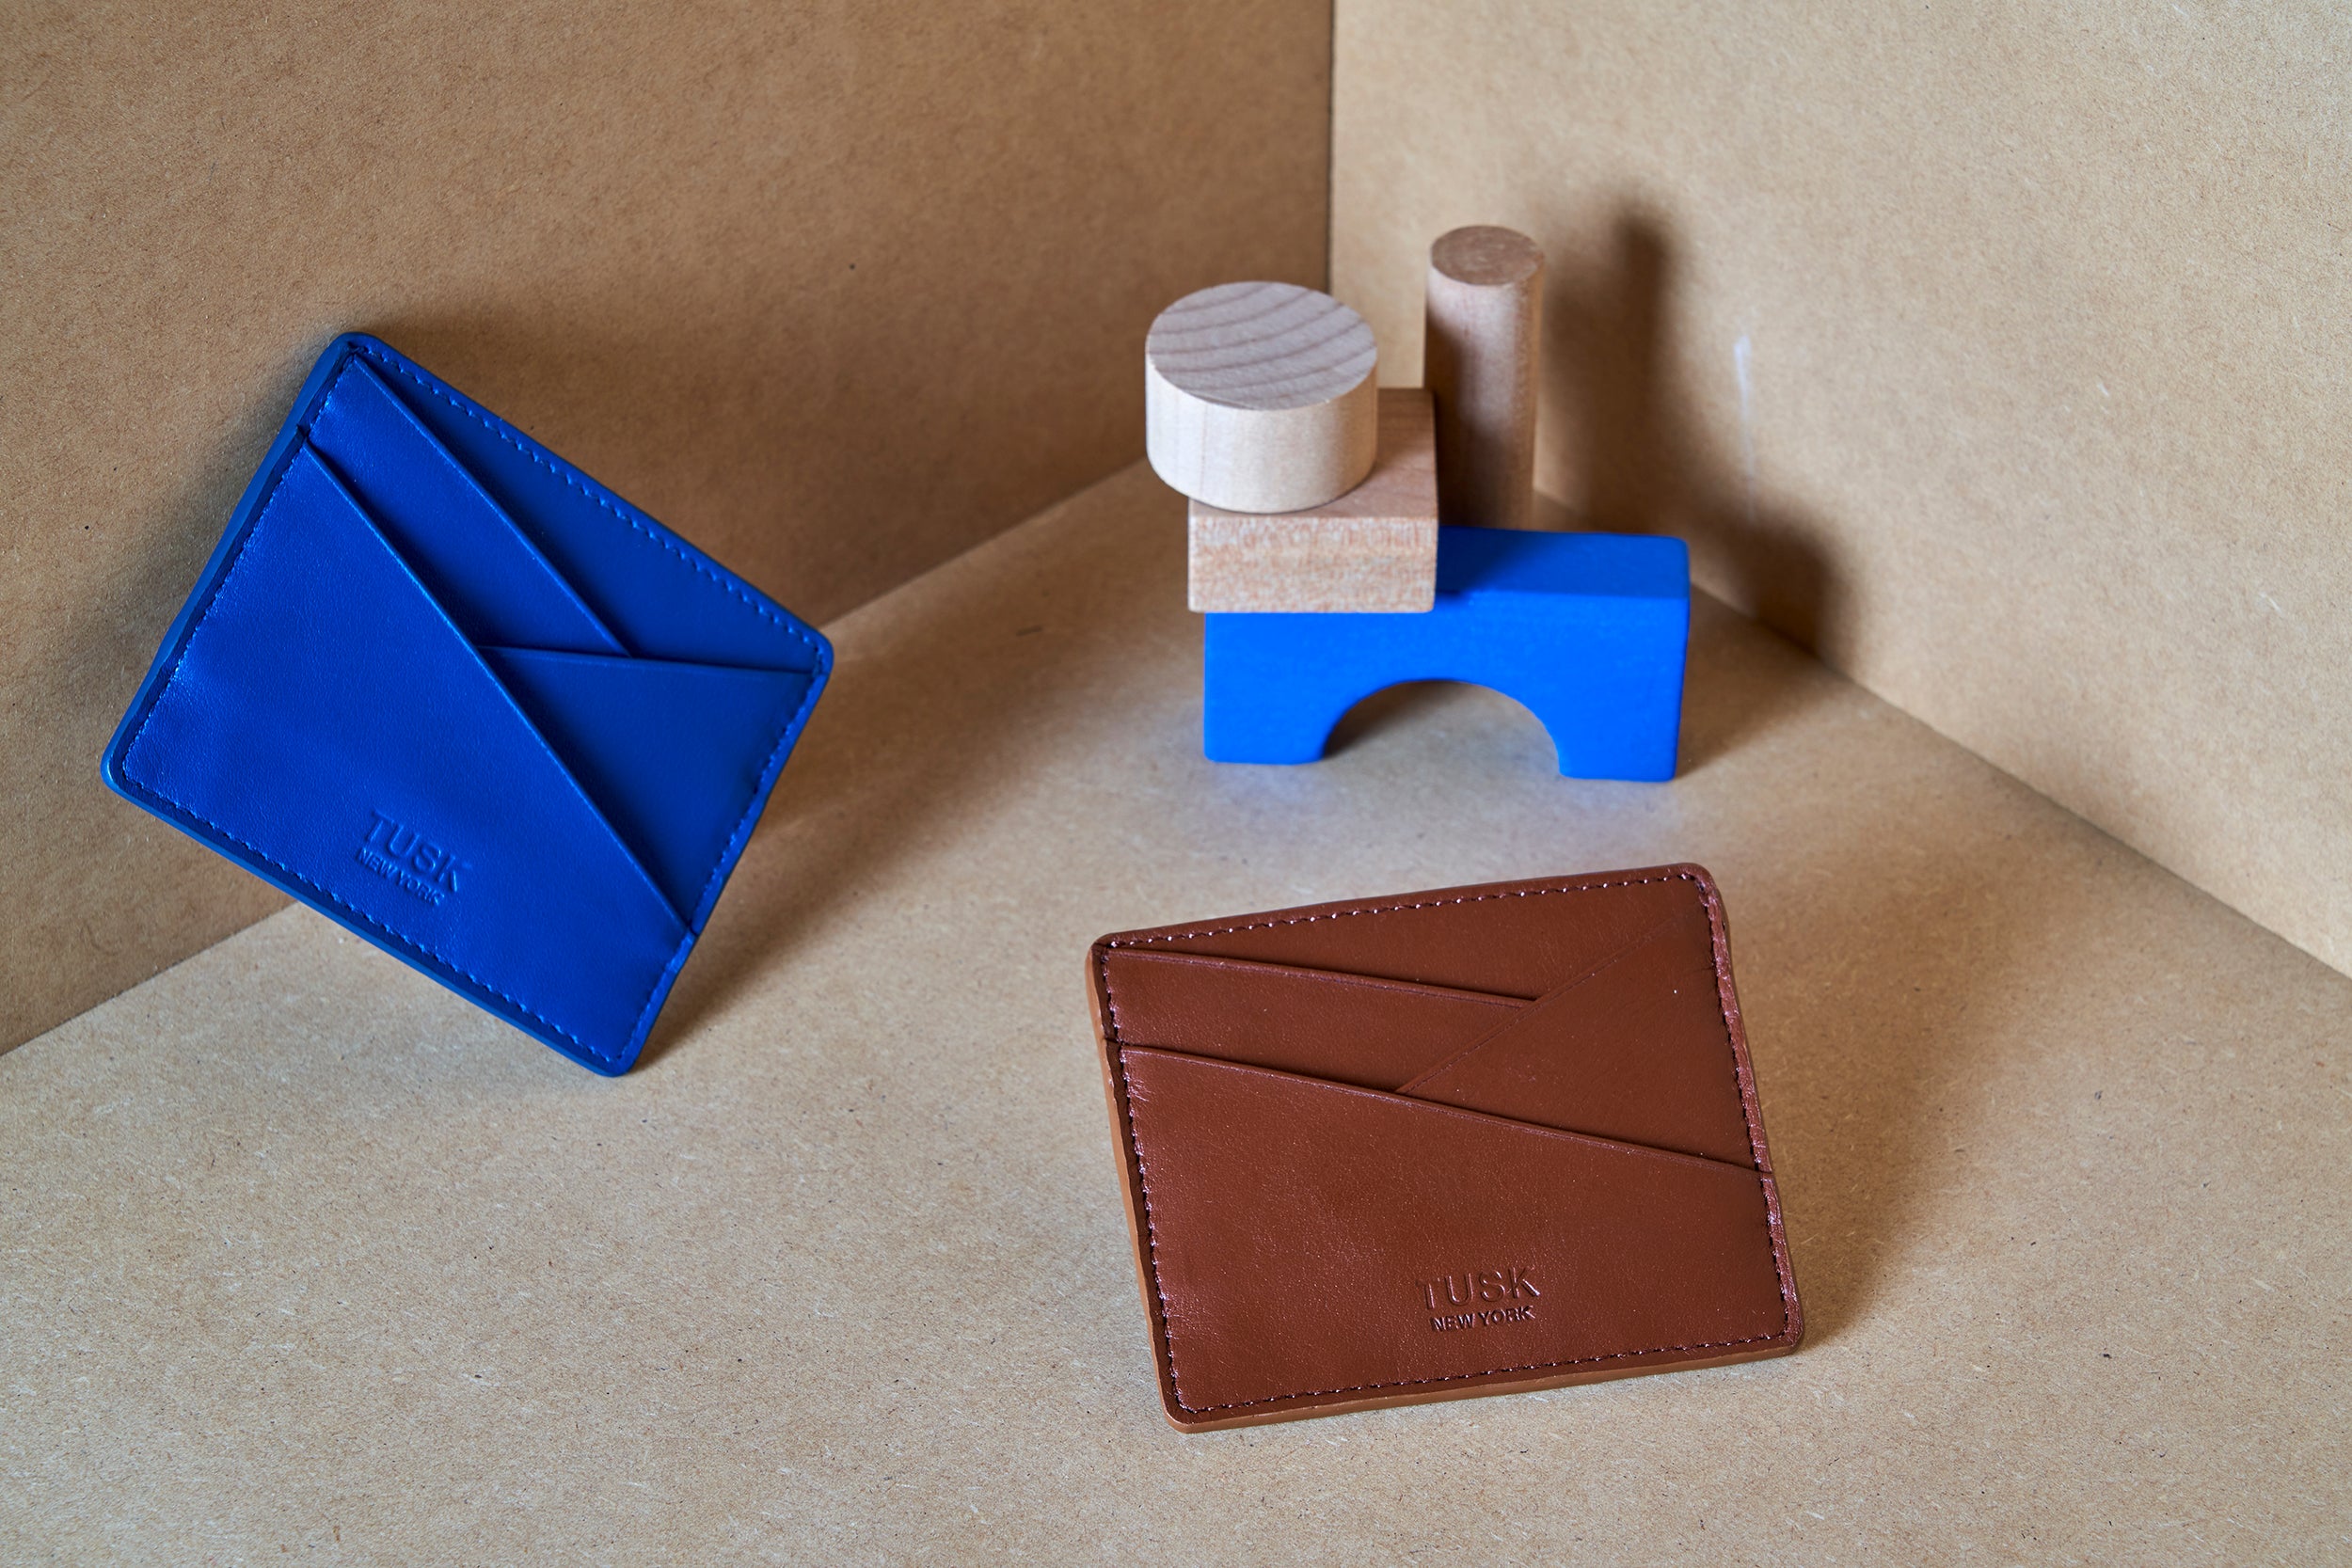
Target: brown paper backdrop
<point>834,290</point>
<point>1999,354</point>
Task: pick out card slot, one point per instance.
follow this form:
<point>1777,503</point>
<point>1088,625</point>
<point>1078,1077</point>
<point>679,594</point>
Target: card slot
<point>669,752</point>
<point>474,656</point>
<point>653,662</point>
<point>1306,1239</point>
<point>492,581</point>
<point>1508,938</point>
<point>1625,1146</point>
<point>1305,972</point>
<point>1638,1049</point>
<point>674,750</point>
<point>1548,998</point>
<point>1359,1029</point>
<point>659,594</point>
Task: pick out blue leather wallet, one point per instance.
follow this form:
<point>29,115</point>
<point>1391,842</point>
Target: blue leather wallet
<point>453,694</point>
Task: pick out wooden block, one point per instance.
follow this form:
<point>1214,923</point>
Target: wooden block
<point>1484,315</point>
<point>1373,549</point>
<point>1586,630</point>
<point>1259,397</point>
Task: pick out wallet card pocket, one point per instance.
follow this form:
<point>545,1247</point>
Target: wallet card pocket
<point>487,577</point>
<point>1636,1049</point>
<point>1352,1028</point>
<point>1319,1240</point>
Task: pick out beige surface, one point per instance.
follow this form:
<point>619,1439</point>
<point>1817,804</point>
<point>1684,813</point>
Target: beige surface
<point>305,1256</point>
<point>1375,548</point>
<point>834,291</point>
<point>1999,350</point>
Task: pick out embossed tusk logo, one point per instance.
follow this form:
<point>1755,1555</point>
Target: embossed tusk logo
<point>1478,1297</point>
<point>404,857</point>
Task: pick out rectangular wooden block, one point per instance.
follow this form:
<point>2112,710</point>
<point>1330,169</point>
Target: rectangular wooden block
<point>1375,548</point>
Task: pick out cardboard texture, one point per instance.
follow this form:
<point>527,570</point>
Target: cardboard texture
<point>1998,355</point>
<point>835,292</point>
<point>307,1255</point>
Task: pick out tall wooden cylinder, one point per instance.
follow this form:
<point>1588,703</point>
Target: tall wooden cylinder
<point>1484,320</point>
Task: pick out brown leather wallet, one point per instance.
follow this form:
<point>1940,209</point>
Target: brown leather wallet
<point>1474,1141</point>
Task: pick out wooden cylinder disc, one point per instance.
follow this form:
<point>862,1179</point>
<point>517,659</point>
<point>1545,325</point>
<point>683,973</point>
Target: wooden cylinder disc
<point>1259,397</point>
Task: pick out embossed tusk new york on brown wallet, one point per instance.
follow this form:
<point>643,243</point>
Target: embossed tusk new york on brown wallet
<point>1474,1141</point>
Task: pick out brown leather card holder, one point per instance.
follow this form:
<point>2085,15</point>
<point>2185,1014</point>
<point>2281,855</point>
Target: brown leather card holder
<point>1474,1141</point>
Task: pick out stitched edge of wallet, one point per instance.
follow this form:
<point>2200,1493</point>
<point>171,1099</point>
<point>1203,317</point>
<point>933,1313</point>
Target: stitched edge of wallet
<point>396,937</point>
<point>1143,1181</point>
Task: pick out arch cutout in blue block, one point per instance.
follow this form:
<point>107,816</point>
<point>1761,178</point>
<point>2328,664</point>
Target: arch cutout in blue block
<point>1588,631</point>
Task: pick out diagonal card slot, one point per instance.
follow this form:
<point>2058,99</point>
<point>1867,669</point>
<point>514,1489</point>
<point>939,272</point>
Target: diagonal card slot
<point>391,780</point>
<point>570,783</point>
<point>1549,1128</point>
<point>674,752</point>
<point>1355,1028</point>
<point>1636,1049</point>
<point>660,597</point>
<point>1310,1238</point>
<point>492,581</point>
<point>1517,942</point>
<point>1596,965</point>
<point>562,776</point>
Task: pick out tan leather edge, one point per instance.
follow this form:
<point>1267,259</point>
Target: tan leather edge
<point>1750,1105</point>
<point>1495,1384</point>
<point>1130,1181</point>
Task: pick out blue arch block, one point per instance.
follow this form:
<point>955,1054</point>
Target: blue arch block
<point>1588,630</point>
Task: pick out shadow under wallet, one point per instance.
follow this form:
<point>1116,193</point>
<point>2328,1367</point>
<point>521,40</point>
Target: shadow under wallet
<point>451,693</point>
<point>1465,1142</point>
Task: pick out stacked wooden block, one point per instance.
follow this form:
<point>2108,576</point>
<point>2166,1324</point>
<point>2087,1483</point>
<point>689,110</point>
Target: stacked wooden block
<point>1345,537</point>
<point>1312,489</point>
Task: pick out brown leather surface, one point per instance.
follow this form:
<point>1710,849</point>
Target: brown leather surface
<point>1637,1050</point>
<point>1446,1143</point>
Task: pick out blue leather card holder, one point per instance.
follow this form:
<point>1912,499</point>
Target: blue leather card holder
<point>453,694</point>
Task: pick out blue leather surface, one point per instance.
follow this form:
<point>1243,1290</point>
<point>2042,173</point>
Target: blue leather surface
<point>1587,630</point>
<point>451,693</point>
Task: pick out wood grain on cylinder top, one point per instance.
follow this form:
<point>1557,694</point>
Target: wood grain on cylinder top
<point>1259,397</point>
<point>1263,346</point>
